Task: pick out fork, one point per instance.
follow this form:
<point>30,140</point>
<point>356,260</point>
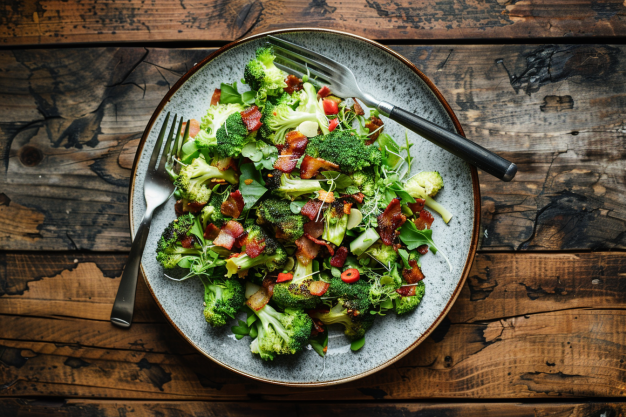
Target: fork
<point>157,188</point>
<point>301,61</point>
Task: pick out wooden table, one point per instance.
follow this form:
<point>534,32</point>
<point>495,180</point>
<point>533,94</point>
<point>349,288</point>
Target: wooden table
<point>539,328</point>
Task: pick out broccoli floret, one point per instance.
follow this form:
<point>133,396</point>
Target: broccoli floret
<point>355,296</point>
<point>280,119</point>
<point>232,136</point>
<point>336,223</point>
<point>276,213</point>
<point>345,149</point>
<point>295,293</point>
<point>384,254</point>
<point>272,179</point>
<point>415,190</point>
<point>430,181</point>
<point>383,290</point>
<point>262,74</point>
<point>212,212</point>
<point>212,121</point>
<point>169,251</point>
<point>281,333</point>
<point>272,257</point>
<point>291,188</point>
<point>193,178</point>
<point>408,304</point>
<point>289,99</point>
<point>222,299</point>
<point>365,180</point>
<point>355,326</point>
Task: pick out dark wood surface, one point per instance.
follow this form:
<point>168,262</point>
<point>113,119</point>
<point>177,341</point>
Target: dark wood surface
<point>538,329</point>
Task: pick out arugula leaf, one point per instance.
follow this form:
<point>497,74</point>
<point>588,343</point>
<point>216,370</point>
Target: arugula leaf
<point>390,151</point>
<point>400,192</point>
<point>231,95</point>
<point>357,344</point>
<point>340,180</point>
<point>405,257</point>
<point>414,238</point>
<point>255,189</point>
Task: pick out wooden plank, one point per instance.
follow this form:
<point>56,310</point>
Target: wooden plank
<point>572,353</point>
<point>111,408</point>
<point>71,125</point>
<point>50,21</point>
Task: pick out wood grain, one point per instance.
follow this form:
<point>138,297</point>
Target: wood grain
<point>112,408</point>
<point>72,119</point>
<point>79,21</point>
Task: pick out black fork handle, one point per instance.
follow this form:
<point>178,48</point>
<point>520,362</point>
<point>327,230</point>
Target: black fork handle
<point>456,144</point>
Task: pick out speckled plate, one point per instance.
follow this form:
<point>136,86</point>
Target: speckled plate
<point>391,337</point>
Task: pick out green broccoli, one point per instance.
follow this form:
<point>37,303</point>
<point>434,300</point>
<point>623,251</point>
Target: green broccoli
<point>273,255</point>
<point>355,296</point>
<point>408,304</point>
<point>365,180</point>
<point>289,99</point>
<point>355,325</point>
<point>295,293</point>
<point>336,223</point>
<point>277,213</point>
<point>430,181</point>
<point>280,119</point>
<point>212,212</point>
<point>193,178</point>
<point>222,299</point>
<point>262,74</point>
<point>382,292</point>
<point>211,122</point>
<point>384,254</point>
<point>169,251</point>
<point>416,190</point>
<point>281,333</point>
<point>232,136</point>
<point>291,188</point>
<point>345,149</point>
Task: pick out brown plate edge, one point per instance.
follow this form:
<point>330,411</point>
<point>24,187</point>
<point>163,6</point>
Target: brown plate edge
<point>475,187</point>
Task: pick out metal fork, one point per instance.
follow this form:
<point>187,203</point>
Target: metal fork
<point>157,188</point>
<point>299,61</point>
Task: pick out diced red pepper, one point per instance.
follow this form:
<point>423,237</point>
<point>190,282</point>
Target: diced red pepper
<point>323,92</point>
<point>330,107</point>
<point>284,276</point>
<point>332,125</point>
<point>339,258</point>
<point>350,276</point>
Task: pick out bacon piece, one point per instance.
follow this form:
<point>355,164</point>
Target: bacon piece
<point>312,208</point>
<point>252,118</point>
<point>323,92</point>
<point>340,257</point>
<point>254,247</point>
<point>326,197</point>
<point>406,291</point>
<point>318,327</point>
<point>187,242</point>
<point>307,249</point>
<point>358,197</point>
<point>259,299</point>
<point>424,221</point>
<point>358,110</point>
<point>347,207</point>
<point>310,166</point>
<point>233,206</point>
<point>422,250</point>
<point>178,208</point>
<point>417,206</point>
<point>268,284</point>
<point>194,128</point>
<point>315,229</point>
<point>215,98</point>
<point>318,288</point>
<point>195,206</point>
<point>389,220</point>
<point>289,155</point>
<point>293,84</point>
<point>211,231</point>
<point>414,274</point>
<point>229,233</point>
<point>330,248</point>
<point>241,240</point>
<point>372,125</point>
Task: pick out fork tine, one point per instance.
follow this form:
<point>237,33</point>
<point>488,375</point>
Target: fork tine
<point>311,63</point>
<point>316,58</point>
<point>302,67</point>
<point>165,156</point>
<point>157,147</point>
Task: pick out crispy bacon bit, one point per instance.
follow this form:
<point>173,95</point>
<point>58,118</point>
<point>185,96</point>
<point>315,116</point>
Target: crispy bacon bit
<point>259,299</point>
<point>390,220</point>
<point>289,155</point>
<point>302,257</point>
<point>318,327</point>
<point>358,197</point>
<point>312,208</point>
<point>372,125</point>
<point>233,206</point>
<point>195,206</point>
<point>254,247</point>
<point>268,284</point>
<point>346,208</point>
<point>340,257</point>
<point>293,84</point>
<point>406,291</point>
<point>330,248</point>
<point>252,118</point>
<point>310,166</point>
<point>241,240</point>
<point>424,221</point>
<point>211,231</point>
<point>323,92</point>
<point>215,98</point>
<point>413,275</point>
<point>187,242</point>
<point>194,128</point>
<point>178,208</point>
<point>313,228</point>
<point>358,110</point>
<point>417,206</point>
<point>326,197</point>
<point>318,288</point>
<point>307,247</point>
<point>423,250</point>
<point>229,233</point>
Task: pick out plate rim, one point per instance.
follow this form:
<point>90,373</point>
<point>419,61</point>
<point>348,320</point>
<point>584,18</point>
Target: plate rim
<point>475,187</point>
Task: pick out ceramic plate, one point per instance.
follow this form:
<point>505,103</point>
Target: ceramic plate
<point>388,76</point>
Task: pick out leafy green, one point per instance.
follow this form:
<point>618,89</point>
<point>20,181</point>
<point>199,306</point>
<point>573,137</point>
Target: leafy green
<point>231,95</point>
<point>357,344</point>
<point>414,238</point>
<point>339,181</point>
<point>320,342</point>
<point>405,257</point>
<point>241,330</point>
<point>296,206</point>
<point>261,154</point>
<point>253,191</point>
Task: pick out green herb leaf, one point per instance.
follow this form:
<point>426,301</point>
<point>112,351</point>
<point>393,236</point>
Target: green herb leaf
<point>340,180</point>
<point>197,231</point>
<point>352,190</point>
<point>231,95</point>
<point>405,257</point>
<point>296,206</point>
<point>335,271</point>
<point>414,238</point>
<point>253,191</point>
<point>357,344</point>
<point>390,151</point>
<point>399,190</point>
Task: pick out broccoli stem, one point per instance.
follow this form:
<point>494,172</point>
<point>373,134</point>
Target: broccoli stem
<point>269,316</point>
<point>430,203</point>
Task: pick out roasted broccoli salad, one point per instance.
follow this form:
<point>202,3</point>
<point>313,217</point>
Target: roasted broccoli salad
<point>295,207</point>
